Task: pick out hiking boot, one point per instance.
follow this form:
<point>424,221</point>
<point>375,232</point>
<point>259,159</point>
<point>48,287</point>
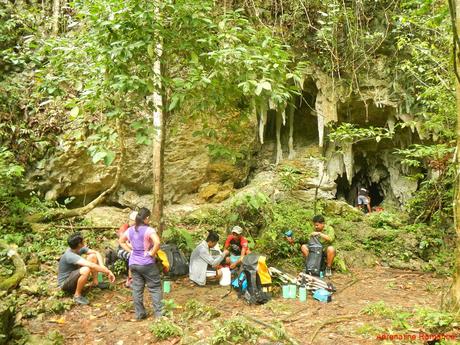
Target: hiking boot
<point>141,317</point>
<point>81,300</point>
<point>328,272</point>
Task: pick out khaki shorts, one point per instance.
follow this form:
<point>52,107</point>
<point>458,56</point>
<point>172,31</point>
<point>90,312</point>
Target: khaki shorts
<point>70,284</point>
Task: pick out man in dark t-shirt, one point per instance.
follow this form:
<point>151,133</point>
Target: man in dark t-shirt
<point>74,271</point>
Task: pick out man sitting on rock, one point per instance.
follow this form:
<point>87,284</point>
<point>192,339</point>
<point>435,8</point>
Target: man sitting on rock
<point>74,271</point>
<point>325,234</point>
<point>237,245</point>
<point>202,264</point>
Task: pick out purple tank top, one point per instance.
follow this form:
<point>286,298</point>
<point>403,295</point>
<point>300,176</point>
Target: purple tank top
<point>141,242</point>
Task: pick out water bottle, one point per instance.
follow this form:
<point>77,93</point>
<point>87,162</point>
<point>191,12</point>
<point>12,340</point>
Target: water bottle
<point>321,274</point>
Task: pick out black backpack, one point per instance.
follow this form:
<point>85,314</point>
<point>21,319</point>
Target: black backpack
<point>178,264</point>
<point>248,282</point>
<point>314,262</point>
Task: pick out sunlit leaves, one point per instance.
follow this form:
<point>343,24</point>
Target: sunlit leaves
<point>350,133</point>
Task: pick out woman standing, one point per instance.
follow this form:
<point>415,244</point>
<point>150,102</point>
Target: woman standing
<point>145,244</point>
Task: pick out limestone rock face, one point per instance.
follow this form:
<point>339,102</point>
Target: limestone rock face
<point>210,158</point>
<point>189,163</point>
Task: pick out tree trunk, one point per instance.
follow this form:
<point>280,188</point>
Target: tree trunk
<point>455,289</point>
<point>20,269</point>
<point>158,136</point>
<point>56,15</point>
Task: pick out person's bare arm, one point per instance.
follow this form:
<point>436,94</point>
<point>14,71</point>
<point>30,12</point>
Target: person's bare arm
<point>244,251</point>
<point>98,268</point>
<point>123,241</point>
<point>322,235</point>
<point>100,260</point>
<point>156,244</point>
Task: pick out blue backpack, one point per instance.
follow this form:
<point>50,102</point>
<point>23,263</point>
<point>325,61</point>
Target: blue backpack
<point>247,282</point>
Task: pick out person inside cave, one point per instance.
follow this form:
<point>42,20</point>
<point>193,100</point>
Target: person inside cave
<point>364,200</point>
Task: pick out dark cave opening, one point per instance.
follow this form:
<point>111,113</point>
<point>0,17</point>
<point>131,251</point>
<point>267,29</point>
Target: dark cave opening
<point>305,130</point>
<point>349,191</point>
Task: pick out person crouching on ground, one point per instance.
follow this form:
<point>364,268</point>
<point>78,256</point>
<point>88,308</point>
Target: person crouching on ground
<point>237,244</point>
<point>326,236</point>
<point>122,253</point>
<point>145,244</point>
<point>201,259</point>
<point>74,271</point>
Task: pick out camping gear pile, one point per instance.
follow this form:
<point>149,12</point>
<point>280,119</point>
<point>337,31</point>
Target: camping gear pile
<point>253,280</point>
<point>320,289</point>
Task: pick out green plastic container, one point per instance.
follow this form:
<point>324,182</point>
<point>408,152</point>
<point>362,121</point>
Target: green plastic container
<point>166,286</point>
<point>293,291</point>
<point>286,291</point>
<point>302,294</point>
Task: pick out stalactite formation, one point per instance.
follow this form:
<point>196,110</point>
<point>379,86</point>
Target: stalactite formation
<point>279,149</point>
<point>291,132</point>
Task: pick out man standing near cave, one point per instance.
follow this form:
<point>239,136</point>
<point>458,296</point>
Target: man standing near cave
<point>364,200</point>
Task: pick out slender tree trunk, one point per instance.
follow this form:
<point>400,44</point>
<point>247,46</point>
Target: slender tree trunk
<point>158,136</point>
<point>56,15</point>
<point>455,290</point>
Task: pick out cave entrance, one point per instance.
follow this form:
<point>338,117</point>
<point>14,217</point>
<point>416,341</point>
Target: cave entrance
<point>376,194</point>
<point>305,131</point>
<point>349,192</point>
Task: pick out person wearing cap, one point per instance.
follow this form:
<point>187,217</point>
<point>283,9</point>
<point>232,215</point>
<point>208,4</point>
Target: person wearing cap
<point>122,253</point>
<point>237,244</point>
<point>364,199</point>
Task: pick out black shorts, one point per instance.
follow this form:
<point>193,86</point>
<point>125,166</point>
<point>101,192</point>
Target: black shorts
<point>70,284</point>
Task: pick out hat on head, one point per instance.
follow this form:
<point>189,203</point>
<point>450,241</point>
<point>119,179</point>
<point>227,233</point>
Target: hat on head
<point>288,233</point>
<point>237,230</point>
<point>133,215</point>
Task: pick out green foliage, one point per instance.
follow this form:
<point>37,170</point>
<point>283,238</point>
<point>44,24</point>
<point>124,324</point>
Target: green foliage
<point>218,152</point>
<point>289,177</point>
<point>433,200</point>
<point>180,237</point>
<point>384,219</point>
<point>6,266</point>
<point>119,267</point>
<point>435,321</point>
<point>10,179</point>
<point>236,330</point>
<point>369,329</point>
<point>196,310</point>
<point>350,133</point>
<point>168,307</point>
<point>165,329</point>
<point>250,211</point>
<point>378,309</point>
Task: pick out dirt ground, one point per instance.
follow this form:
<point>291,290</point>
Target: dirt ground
<point>108,319</point>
